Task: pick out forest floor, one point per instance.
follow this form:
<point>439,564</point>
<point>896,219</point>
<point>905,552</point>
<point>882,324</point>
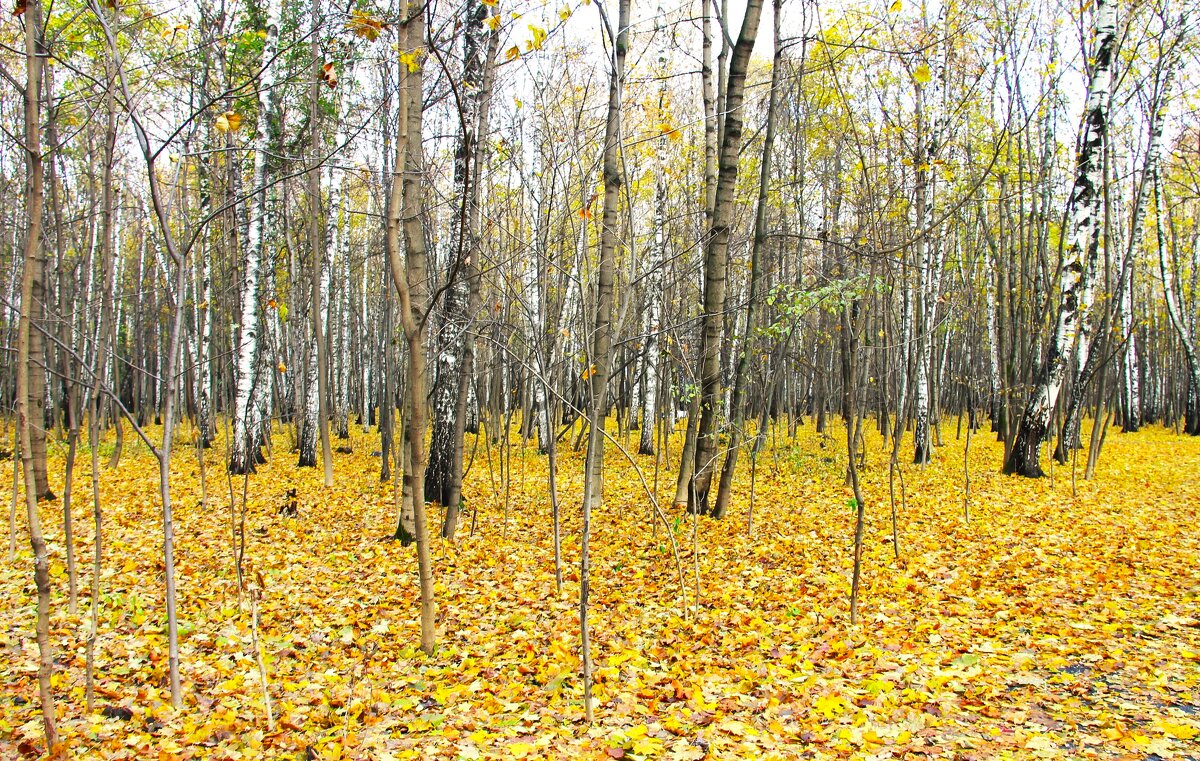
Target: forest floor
<point>1061,621</point>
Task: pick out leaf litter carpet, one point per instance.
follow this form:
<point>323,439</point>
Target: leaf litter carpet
<point>1059,622</point>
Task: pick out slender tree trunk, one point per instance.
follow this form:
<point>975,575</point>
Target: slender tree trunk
<point>1130,381</point>
<point>66,363</point>
<point>171,382</point>
<point>654,284</point>
<point>919,347</point>
<point>687,458</point>
<point>28,366</point>
<point>178,270</point>
<point>100,362</point>
<point>203,310</point>
<point>37,343</point>
<point>849,342</point>
<point>601,354</point>
<point>1174,311</point>
<point>929,251</point>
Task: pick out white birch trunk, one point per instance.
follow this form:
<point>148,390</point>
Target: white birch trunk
<point>1151,175</point>
<point>443,479</point>
<point>653,320</point>
<point>241,458</point>
<point>311,411</point>
<point>538,339</point>
<point>1080,256</point>
<point>929,250</point>
<point>1133,396</point>
<point>339,259</point>
<point>203,362</point>
<point>1183,326</point>
<point>993,336</point>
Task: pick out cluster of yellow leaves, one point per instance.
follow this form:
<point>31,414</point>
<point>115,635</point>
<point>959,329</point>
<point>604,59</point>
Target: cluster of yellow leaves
<point>670,130</point>
<point>411,59</point>
<point>365,25</point>
<point>537,36</point>
<point>1051,626</point>
<point>230,121</point>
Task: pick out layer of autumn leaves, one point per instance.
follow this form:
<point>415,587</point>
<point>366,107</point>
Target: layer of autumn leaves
<point>1060,622</point>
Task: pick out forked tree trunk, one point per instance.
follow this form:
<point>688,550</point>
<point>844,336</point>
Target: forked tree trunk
<point>455,356</point>
<point>737,404</point>
<point>717,261</point>
<point>1172,292</point>
<point>406,214</point>
<point>316,394</point>
<point>708,86</point>
<point>1080,259</point>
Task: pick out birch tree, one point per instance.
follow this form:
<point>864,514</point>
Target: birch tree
<point>1172,290</point>
<point>243,446</point>
<point>1081,254</point>
<point>454,366</point>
